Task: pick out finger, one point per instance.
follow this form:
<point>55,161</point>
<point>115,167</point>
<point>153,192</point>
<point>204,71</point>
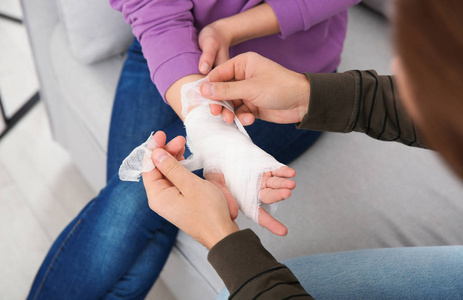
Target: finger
<point>228,116</point>
<point>154,183</point>
<point>269,222</point>
<point>206,61</point>
<point>231,69</point>
<point>246,118</point>
<point>176,146</point>
<point>270,196</point>
<point>227,90</point>
<point>180,177</point>
<point>179,156</point>
<point>216,109</point>
<point>160,138</point>
<point>151,176</point>
<point>245,115</point>
<point>222,56</point>
<point>276,182</point>
<point>284,171</point>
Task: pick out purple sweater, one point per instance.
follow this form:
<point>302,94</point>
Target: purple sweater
<point>311,39</point>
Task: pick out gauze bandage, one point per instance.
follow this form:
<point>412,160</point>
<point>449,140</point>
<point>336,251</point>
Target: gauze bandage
<point>217,147</point>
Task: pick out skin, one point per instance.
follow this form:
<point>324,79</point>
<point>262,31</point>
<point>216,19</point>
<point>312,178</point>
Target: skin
<point>268,90</point>
<point>215,40</point>
<point>184,198</point>
<point>198,207</point>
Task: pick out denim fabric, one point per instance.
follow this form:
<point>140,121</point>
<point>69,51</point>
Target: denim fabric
<point>116,246</point>
<point>394,273</point>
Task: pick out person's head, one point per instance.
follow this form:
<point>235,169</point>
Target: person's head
<point>429,69</point>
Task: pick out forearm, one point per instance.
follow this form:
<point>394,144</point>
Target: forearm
<point>256,22</point>
<point>359,101</point>
<point>173,96</point>
<point>240,257</point>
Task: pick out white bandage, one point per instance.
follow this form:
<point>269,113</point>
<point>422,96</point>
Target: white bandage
<point>217,147</point>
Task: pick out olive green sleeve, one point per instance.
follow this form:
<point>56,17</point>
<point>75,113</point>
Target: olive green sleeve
<point>359,101</point>
<point>249,271</point>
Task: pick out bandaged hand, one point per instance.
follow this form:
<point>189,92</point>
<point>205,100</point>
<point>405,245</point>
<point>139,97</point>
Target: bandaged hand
<point>246,174</point>
<point>274,184</point>
<point>252,176</point>
<point>268,91</point>
<point>194,205</point>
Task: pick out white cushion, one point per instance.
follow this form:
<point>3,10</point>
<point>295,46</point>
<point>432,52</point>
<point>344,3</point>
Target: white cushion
<point>94,30</point>
<point>88,90</point>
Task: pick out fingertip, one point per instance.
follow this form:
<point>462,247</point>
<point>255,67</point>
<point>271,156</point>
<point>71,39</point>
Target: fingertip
<point>207,90</point>
<point>291,173</point>
<point>204,67</point>
<point>159,155</point>
<point>283,231</point>
<point>244,116</point>
<point>228,116</point>
<point>273,225</point>
<point>234,212</point>
<point>215,109</point>
<point>279,229</point>
<point>285,194</point>
<point>160,138</point>
<point>248,119</point>
<point>291,184</point>
<point>286,171</point>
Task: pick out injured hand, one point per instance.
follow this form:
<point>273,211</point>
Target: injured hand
<point>252,176</point>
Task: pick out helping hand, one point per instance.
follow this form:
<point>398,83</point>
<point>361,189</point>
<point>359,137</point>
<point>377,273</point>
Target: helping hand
<point>189,193</point>
<point>194,205</point>
<point>268,91</point>
<point>215,43</point>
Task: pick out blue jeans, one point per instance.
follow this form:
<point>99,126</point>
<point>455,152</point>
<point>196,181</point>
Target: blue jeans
<point>394,273</point>
<point>116,247</point>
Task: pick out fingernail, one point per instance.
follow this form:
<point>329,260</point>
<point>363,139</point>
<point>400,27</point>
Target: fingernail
<point>208,89</point>
<point>247,120</point>
<point>204,67</point>
<point>159,155</point>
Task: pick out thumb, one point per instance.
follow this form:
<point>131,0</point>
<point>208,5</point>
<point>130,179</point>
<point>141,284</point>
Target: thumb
<point>206,61</point>
<point>171,168</point>
<point>227,90</point>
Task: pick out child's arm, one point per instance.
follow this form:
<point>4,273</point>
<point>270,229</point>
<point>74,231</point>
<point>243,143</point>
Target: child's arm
<point>216,38</point>
<point>173,96</point>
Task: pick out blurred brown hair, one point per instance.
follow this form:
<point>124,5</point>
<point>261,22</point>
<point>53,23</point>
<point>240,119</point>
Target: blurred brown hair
<point>429,40</point>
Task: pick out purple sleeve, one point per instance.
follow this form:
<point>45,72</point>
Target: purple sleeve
<point>300,15</point>
<point>167,35</point>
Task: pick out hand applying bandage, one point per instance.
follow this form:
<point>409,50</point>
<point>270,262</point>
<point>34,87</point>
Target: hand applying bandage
<point>225,151</point>
<point>194,205</point>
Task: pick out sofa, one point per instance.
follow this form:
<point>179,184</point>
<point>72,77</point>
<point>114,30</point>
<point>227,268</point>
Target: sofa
<point>352,192</point>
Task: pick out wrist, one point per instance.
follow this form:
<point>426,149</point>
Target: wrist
<point>173,96</point>
<point>220,233</point>
<point>303,95</point>
<point>226,30</point>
